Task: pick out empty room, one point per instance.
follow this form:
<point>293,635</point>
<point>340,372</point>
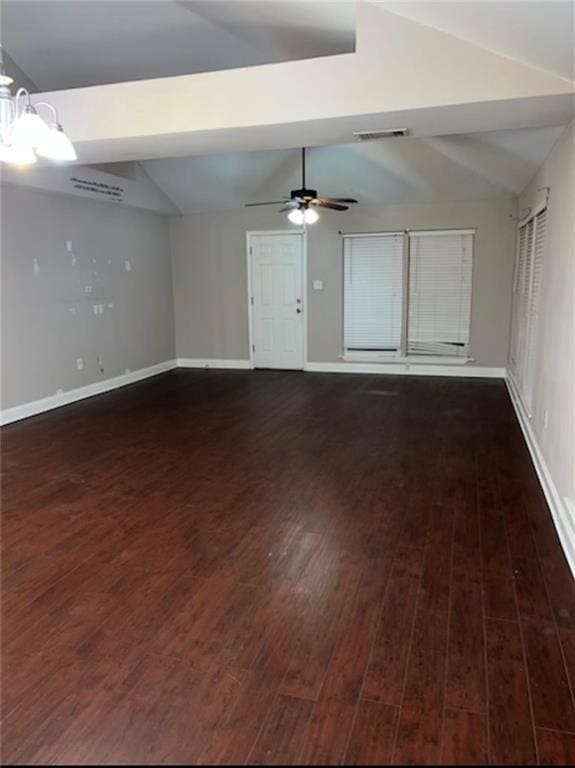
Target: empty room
<point>287,394</point>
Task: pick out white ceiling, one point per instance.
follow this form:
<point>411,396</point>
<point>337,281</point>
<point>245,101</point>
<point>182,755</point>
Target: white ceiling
<point>391,171</point>
<point>540,33</point>
<point>64,44</point>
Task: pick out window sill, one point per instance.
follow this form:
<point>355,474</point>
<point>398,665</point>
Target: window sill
<point>415,360</point>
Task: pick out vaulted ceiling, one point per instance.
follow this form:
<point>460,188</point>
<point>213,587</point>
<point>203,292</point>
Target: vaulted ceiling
<point>74,43</point>
<point>192,89</point>
<point>541,34</point>
<point>390,171</point>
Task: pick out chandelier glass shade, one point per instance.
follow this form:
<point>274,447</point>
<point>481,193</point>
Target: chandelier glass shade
<point>24,134</point>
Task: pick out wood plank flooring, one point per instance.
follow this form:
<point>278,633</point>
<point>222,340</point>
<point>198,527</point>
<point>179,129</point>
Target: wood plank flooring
<point>283,568</point>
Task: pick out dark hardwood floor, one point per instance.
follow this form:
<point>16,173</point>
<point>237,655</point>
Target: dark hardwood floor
<point>277,567</point>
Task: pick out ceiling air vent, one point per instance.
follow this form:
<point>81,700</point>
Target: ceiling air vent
<point>387,134</point>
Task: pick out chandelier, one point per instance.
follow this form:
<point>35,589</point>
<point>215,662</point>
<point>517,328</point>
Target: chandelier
<point>24,135</point>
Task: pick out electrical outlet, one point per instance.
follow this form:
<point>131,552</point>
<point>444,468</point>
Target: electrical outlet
<point>128,266</point>
<point>80,363</point>
<point>545,419</point>
<point>69,246</point>
<point>318,285</point>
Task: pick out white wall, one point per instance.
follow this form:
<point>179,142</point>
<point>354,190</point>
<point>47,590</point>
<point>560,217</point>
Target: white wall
<point>554,387</point>
<point>48,318</point>
<point>210,275</point>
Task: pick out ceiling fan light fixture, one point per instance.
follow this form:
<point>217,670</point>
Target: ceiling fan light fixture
<point>310,216</point>
<point>296,216</point>
<point>304,201</point>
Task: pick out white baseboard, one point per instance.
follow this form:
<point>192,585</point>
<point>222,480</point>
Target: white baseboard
<point>199,362</point>
<point>562,516</point>
<point>408,369</point>
<point>25,410</point>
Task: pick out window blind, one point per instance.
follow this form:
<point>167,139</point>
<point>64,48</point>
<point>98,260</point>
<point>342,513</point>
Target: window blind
<point>439,304</point>
<point>517,296</point>
<point>373,292</point>
<point>533,304</point>
<point>526,297</point>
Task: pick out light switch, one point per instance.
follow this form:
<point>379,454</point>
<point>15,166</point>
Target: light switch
<point>318,285</point>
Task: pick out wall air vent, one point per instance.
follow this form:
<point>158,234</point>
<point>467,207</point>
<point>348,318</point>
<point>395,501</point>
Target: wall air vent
<point>387,134</point>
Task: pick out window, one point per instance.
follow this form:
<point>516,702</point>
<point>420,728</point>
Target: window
<point>373,278</point>
<point>439,305</point>
<point>526,292</point>
<point>408,295</point>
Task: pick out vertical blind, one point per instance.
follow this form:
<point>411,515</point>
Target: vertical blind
<point>373,288</point>
<point>526,296</point>
<point>439,305</point>
<point>516,341</point>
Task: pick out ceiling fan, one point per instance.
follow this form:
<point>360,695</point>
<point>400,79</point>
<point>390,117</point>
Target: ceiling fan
<point>302,202</point>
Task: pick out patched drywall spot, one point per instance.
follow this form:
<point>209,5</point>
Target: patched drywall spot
<point>128,265</point>
<point>80,363</point>
<point>73,261</point>
<point>110,305</point>
<point>72,310</point>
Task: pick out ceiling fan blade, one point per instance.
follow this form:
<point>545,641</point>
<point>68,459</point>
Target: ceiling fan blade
<point>269,202</point>
<point>325,204</point>
<point>338,199</point>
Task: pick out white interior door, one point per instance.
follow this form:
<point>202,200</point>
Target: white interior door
<point>277,300</point>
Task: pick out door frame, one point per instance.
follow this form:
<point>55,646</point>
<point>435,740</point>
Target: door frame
<point>255,233</point>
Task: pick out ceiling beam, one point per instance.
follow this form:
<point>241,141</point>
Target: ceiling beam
<point>402,71</point>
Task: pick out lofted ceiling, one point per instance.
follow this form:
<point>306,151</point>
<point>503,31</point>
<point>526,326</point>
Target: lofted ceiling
<point>63,44</point>
<point>443,70</point>
<point>540,33</point>
<point>390,171</point>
